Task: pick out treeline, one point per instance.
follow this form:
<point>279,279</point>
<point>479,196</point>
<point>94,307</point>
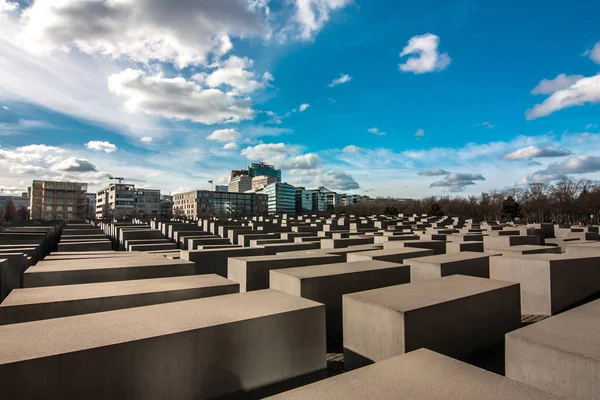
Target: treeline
<point>566,201</point>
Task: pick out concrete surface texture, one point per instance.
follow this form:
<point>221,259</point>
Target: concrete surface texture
<point>190,349</point>
<point>464,263</point>
<point>327,284</point>
<point>455,315</point>
<point>71,272</point>
<point>252,273</point>
<point>550,283</point>
<point>421,374</point>
<point>391,255</point>
<point>32,304</point>
<point>560,354</point>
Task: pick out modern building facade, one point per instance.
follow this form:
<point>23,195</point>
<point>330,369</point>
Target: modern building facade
<point>282,198</point>
<point>52,200</point>
<point>240,184</point>
<point>303,201</point>
<point>90,206</point>
<point>260,182</point>
<point>147,203</point>
<point>204,203</point>
<point>222,188</point>
<point>116,201</point>
<point>166,206</point>
<point>262,169</point>
<point>18,201</point>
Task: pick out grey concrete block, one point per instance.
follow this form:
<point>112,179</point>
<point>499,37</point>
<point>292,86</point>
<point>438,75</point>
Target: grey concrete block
<point>341,243</point>
<point>463,263</point>
<point>501,242</point>
<point>438,246</point>
<point>71,272</point>
<point>32,304</point>
<point>391,255</point>
<point>560,354</point>
<point>12,267</point>
<point>422,375</point>
<point>214,261</point>
<point>252,273</point>
<point>527,249</point>
<point>101,245</point>
<point>328,283</point>
<point>457,247</point>
<point>550,283</point>
<point>455,315</point>
<point>191,349</point>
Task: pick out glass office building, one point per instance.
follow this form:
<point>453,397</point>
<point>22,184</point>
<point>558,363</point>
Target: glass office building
<point>262,169</point>
<point>282,198</point>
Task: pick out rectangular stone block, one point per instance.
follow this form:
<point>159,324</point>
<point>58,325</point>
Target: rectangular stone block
<point>528,249</point>
<point>463,263</point>
<point>560,354</point>
<point>192,349</point>
<point>101,245</point>
<point>288,247</point>
<point>12,267</point>
<point>419,375</point>
<point>583,250</point>
<point>503,241</point>
<point>341,243</point>
<point>152,247</point>
<point>390,255</point>
<point>214,261</point>
<point>455,315</point>
<point>457,247</point>
<point>550,283</point>
<point>72,272</point>
<point>328,283</point>
<point>32,304</point>
<point>252,273</point>
<point>438,246</point>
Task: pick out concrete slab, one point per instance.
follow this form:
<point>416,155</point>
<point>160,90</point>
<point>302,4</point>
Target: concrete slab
<point>73,272</point>
<point>560,354</point>
<point>457,247</point>
<point>463,263</point>
<point>390,255</point>
<point>527,249</point>
<point>341,243</point>
<point>422,375</point>
<point>32,304</point>
<point>583,250</point>
<point>152,247</point>
<point>288,247</point>
<point>252,273</point>
<point>328,283</point>
<point>12,267</point>
<point>503,241</point>
<point>214,261</point>
<point>192,349</point>
<point>455,315</point>
<point>101,245</point>
<point>438,246</point>
<point>550,283</point>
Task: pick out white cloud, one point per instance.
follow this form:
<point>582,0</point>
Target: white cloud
<point>5,108</point>
<point>344,78</point>
<point>140,30</point>
<point>312,15</point>
<point>419,133</point>
<point>74,164</point>
<point>146,139</point>
<point>376,131</point>
<point>427,58</point>
<point>486,124</point>
<point>457,182</point>
<point>265,151</point>
<point>594,53</point>
<point>591,126</point>
<point>25,169</point>
<point>572,166</point>
<point>235,73</point>
<point>178,98</point>
<point>585,90</point>
<point>304,107</point>
<point>8,6</point>
<point>106,147</point>
<point>225,135</point>
<point>352,149</point>
<point>535,152</point>
<point>336,180</point>
<point>230,146</point>
<point>434,172</point>
<point>549,86</point>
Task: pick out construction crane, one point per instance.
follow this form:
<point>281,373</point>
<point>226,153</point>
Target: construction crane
<point>115,178</point>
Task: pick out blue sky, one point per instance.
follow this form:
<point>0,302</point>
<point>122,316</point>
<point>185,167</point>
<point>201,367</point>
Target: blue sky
<point>385,98</point>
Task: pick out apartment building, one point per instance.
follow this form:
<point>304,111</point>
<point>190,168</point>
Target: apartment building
<point>303,200</point>
<point>52,200</point>
<point>240,184</point>
<point>116,201</point>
